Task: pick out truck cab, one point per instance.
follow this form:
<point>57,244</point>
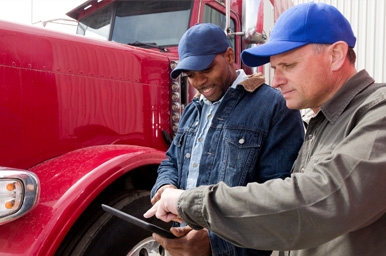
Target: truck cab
<point>160,24</point>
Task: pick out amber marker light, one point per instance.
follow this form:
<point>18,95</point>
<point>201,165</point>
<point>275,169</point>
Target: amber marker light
<point>11,196</point>
<point>9,205</point>
<point>10,186</point>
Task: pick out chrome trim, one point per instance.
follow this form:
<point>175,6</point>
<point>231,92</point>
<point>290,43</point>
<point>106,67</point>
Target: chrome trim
<point>31,191</point>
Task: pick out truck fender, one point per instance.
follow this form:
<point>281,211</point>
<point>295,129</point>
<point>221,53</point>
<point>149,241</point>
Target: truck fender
<point>69,183</point>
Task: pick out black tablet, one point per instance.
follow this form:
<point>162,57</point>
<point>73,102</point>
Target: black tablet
<point>138,222</point>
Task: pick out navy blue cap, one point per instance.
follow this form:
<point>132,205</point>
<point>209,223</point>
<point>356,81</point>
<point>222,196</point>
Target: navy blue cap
<point>302,24</point>
<point>199,46</point>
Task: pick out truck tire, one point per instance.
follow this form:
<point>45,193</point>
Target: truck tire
<point>100,233</point>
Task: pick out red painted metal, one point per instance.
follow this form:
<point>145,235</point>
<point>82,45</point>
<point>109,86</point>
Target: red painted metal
<point>63,92</point>
<point>63,95</point>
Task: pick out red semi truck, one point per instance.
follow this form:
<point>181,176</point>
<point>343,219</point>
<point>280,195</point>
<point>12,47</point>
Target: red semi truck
<point>86,119</point>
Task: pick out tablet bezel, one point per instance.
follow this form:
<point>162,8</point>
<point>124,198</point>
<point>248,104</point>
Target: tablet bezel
<point>138,222</point>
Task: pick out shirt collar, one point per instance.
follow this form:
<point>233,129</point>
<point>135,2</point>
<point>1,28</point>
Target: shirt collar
<point>335,106</point>
<point>241,76</point>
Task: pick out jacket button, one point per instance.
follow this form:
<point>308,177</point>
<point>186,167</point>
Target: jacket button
<point>187,155</point>
<point>241,141</point>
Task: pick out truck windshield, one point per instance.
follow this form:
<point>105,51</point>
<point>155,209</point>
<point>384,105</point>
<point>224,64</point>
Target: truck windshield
<point>142,23</point>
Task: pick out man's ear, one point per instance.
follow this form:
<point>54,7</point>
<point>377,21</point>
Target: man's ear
<point>230,55</point>
<point>339,54</point>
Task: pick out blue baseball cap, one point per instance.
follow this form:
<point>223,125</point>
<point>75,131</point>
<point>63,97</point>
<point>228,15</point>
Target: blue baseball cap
<point>199,46</point>
<point>302,24</point>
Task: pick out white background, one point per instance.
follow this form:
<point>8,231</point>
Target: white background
<point>34,12</point>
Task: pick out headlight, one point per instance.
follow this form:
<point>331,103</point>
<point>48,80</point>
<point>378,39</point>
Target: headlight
<point>19,193</point>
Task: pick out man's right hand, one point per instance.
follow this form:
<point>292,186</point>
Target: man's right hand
<point>159,192</point>
<point>189,242</point>
<point>165,209</point>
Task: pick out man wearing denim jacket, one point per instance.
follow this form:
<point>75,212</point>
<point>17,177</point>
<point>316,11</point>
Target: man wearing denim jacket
<point>237,131</point>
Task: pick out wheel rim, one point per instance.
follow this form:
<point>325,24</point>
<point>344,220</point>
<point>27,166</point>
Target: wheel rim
<point>148,247</point>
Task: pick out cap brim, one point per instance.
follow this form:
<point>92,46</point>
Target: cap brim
<point>260,55</point>
<point>192,63</point>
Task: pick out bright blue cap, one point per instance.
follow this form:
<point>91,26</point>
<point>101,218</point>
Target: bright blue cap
<point>300,25</point>
<point>198,47</point>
